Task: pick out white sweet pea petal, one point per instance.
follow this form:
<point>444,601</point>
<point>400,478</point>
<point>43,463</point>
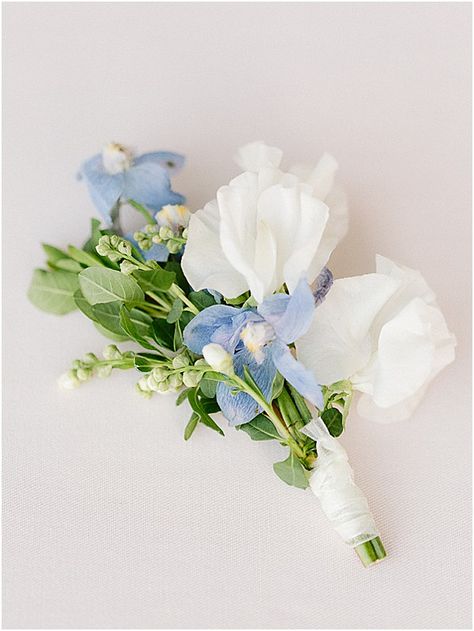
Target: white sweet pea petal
<point>256,155</point>
<point>412,348</point>
<point>338,343</point>
<point>273,229</point>
<point>204,263</point>
<point>390,342</point>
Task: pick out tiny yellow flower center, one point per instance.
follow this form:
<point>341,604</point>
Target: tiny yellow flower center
<point>255,335</point>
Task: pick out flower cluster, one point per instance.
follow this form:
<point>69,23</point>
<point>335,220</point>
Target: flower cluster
<point>233,308</point>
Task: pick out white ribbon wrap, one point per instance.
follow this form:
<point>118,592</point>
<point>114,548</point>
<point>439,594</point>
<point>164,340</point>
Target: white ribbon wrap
<point>332,481</point>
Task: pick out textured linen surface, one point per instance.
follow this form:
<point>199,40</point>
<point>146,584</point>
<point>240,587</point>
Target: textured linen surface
<point>111,520</point>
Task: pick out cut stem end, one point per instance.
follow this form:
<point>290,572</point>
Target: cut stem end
<point>371,551</point>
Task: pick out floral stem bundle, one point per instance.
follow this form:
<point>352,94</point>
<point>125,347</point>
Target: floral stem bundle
<point>234,309</point>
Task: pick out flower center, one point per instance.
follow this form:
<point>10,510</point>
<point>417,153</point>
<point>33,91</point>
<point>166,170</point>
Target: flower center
<point>255,335</point>
<point>116,158</point>
<point>173,216</point>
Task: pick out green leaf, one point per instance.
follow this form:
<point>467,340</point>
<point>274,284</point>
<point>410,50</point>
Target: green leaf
<point>292,472</point>
<point>185,319</point>
<point>163,333</point>
<point>54,254</point>
<point>85,258</point>
<point>101,285</point>
<point>53,291</point>
<point>135,330</point>
<point>215,376</point>
<point>261,428</point>
<point>145,362</point>
<point>69,265</point>
<point>176,311</point>
<point>182,396</point>
<point>91,244</point>
<point>198,407</point>
<point>155,280</point>
<point>108,315</point>
<point>208,387</point>
<point>191,426</point>
<point>84,306</point>
<point>332,418</point>
<point>277,386</point>
<point>111,336</point>
<point>202,299</point>
<point>174,266</point>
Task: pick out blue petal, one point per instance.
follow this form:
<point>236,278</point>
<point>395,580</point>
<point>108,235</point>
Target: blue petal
<point>149,184</point>
<point>241,408</point>
<point>172,162</point>
<point>104,189</point>
<point>322,285</point>
<point>294,371</point>
<point>157,252</point>
<point>213,324</point>
<point>290,316</point>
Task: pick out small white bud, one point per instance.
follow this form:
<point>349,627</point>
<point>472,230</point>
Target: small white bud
<point>181,361</point>
<point>175,382</point>
<point>218,358</point>
<point>127,267</point>
<point>104,371</point>
<point>111,352</point>
<point>83,374</point>
<point>191,378</point>
<point>124,247</point>
<point>166,233</point>
<point>159,374</point>
<point>68,381</point>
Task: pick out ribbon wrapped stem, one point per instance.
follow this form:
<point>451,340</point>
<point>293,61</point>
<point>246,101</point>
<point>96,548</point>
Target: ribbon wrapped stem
<point>343,503</point>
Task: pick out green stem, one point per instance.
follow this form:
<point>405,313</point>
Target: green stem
<point>142,210</point>
<point>161,301</point>
<point>272,415</point>
<point>177,292</point>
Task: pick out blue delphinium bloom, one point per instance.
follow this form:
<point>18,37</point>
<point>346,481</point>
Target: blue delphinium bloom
<point>116,175</point>
<point>258,338</point>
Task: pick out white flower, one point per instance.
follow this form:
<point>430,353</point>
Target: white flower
<point>385,333</point>
<point>218,358</point>
<point>266,227</point>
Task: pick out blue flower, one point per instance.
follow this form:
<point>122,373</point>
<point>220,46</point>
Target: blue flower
<point>116,175</point>
<point>258,338</point>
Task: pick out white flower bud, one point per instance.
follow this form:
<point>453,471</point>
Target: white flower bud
<point>218,358</point>
<point>173,246</point>
<point>163,387</point>
<point>124,247</point>
<point>127,267</point>
<point>68,381</point>
<point>191,378</point>
<point>83,374</point>
<point>166,233</point>
<point>90,357</point>
<point>175,382</point>
<point>159,374</point>
<point>111,352</point>
<point>104,371</point>
<point>181,361</point>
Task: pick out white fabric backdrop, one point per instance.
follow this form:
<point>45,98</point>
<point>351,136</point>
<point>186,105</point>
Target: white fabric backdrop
<point>111,519</point>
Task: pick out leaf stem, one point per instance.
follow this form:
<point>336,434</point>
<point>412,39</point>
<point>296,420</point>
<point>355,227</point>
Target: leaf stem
<point>176,291</point>
<point>142,210</point>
